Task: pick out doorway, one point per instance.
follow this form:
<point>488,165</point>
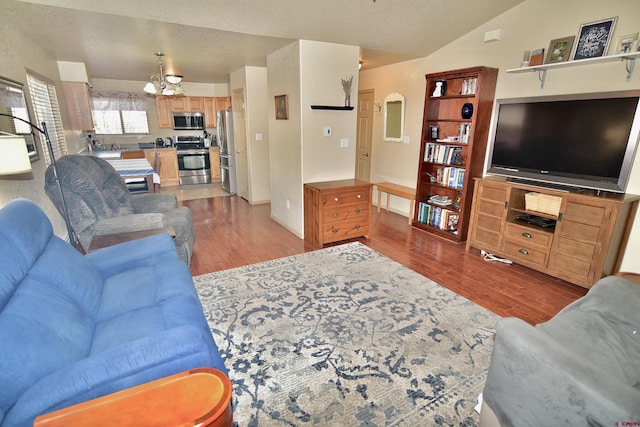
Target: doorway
<point>364,131</point>
<point>240,136</point>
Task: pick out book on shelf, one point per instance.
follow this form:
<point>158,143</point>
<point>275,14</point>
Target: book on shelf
<point>438,217</point>
<point>465,133</point>
<point>445,154</point>
<point>450,176</point>
<point>469,86</point>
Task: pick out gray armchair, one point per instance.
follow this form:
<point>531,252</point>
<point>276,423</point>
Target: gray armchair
<point>99,203</point>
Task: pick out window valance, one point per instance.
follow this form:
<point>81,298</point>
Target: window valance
<point>122,101</point>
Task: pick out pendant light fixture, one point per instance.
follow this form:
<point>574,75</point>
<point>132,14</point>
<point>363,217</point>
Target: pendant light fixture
<point>161,84</point>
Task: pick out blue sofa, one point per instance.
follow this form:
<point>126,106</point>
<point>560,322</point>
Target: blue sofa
<point>74,327</point>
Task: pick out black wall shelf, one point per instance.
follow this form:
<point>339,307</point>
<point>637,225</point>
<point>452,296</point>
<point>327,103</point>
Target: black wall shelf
<point>330,107</point>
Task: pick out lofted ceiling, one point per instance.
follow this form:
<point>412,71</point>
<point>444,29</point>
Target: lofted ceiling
<point>205,40</point>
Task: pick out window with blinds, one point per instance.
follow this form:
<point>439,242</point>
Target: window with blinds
<point>118,113</point>
<point>119,122</point>
<point>46,109</point>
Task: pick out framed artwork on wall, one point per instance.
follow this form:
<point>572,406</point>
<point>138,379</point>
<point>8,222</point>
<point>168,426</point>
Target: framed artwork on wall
<point>625,44</point>
<point>282,107</point>
<point>559,50</point>
<point>594,38</point>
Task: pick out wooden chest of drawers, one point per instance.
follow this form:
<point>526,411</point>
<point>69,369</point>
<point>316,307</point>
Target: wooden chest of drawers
<point>336,210</point>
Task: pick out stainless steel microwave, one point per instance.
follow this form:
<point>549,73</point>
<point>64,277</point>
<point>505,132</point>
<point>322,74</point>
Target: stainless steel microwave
<point>188,121</point>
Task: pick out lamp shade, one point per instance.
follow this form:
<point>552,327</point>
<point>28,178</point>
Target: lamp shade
<point>150,88</point>
<point>14,157</point>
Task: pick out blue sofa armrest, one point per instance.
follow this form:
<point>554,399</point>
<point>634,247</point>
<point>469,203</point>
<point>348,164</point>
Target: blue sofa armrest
<point>135,253</point>
<point>535,380</point>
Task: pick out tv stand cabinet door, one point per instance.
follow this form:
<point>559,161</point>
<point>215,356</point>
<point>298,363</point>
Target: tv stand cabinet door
<point>488,215</point>
<point>582,239</point>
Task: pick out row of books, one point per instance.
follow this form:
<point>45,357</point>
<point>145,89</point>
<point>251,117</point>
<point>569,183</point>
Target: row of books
<point>445,154</point>
<point>438,217</point>
<point>465,133</point>
<point>449,177</point>
<point>469,86</point>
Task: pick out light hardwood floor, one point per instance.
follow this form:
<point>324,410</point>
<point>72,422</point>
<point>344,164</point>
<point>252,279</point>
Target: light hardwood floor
<point>232,233</point>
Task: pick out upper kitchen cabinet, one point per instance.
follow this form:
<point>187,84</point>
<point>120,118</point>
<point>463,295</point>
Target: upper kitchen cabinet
<point>187,104</point>
<point>77,97</point>
<point>223,103</point>
<point>163,108</point>
<point>210,112</point>
<point>165,105</point>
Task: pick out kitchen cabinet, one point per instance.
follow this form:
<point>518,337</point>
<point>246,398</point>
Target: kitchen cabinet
<point>214,159</point>
<point>163,108</point>
<point>578,241</point>
<point>187,104</point>
<point>165,105</point>
<point>209,104</point>
<point>223,103</point>
<point>77,96</point>
<point>169,174</point>
<point>336,210</point>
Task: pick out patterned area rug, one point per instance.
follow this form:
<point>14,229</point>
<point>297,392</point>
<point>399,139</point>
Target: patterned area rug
<point>344,336</point>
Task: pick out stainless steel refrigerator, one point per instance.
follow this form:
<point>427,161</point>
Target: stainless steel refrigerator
<point>227,151</point>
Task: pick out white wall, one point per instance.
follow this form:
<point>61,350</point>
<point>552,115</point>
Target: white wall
<point>530,25</point>
<point>253,80</point>
<point>18,53</point>
<point>323,66</point>
<point>309,73</point>
<point>285,138</point>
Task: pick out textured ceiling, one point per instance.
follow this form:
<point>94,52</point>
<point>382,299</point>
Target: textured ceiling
<point>207,39</point>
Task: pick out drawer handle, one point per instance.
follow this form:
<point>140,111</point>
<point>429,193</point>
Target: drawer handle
<point>335,200</point>
<point>359,196</point>
<point>527,235</point>
<point>357,227</point>
<point>335,214</point>
<point>334,230</point>
<point>523,251</point>
<point>357,210</point>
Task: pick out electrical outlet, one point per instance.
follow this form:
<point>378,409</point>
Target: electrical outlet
<point>287,204</point>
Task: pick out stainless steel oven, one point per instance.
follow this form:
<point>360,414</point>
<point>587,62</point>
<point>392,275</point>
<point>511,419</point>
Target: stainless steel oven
<point>194,166</point>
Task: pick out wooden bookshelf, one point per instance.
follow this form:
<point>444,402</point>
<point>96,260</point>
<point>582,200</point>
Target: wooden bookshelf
<point>452,149</point>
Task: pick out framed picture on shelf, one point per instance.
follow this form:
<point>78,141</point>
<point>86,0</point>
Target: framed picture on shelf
<point>625,43</point>
<point>282,107</point>
<point>594,38</point>
<point>559,50</point>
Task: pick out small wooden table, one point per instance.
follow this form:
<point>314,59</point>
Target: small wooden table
<point>104,240</point>
<point>397,190</point>
<point>199,397</point>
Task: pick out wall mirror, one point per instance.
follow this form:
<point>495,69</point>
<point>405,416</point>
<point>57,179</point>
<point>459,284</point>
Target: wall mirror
<point>12,101</point>
<point>394,117</point>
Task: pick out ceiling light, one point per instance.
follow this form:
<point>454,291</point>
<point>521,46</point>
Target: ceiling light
<point>166,85</point>
<point>174,79</point>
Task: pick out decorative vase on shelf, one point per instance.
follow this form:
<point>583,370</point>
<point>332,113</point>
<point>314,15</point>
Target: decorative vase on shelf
<point>347,101</point>
<point>467,111</point>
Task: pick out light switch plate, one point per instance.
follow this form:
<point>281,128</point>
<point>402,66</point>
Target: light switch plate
<point>344,142</point>
<point>326,131</point>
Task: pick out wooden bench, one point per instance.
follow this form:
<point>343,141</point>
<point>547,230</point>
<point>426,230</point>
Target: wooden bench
<point>397,190</point>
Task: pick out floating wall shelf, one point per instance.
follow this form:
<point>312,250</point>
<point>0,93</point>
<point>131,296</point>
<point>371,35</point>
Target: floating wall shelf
<point>629,58</point>
<point>330,107</point>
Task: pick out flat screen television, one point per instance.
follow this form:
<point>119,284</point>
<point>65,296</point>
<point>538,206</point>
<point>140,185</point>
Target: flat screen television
<point>580,141</point>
